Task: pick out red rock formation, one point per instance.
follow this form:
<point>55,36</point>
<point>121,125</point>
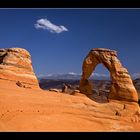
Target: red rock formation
<point>122,86</point>
<point>16,65</point>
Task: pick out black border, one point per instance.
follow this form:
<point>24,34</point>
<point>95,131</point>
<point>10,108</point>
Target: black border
<point>69,135</point>
<point>69,4</point>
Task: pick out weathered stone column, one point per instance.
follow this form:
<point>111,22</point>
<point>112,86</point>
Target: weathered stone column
<point>16,65</point>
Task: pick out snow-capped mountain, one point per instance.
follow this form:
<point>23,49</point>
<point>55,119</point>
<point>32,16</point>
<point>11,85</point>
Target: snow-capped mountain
<point>135,76</point>
<point>73,76</point>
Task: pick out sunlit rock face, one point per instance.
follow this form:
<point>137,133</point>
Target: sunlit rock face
<point>16,65</point>
<point>122,86</point>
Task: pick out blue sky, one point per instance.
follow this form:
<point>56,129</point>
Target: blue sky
<point>83,29</point>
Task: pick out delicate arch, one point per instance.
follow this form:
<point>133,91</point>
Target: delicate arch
<point>122,86</point>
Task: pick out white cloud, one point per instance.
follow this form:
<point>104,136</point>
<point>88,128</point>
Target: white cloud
<point>47,25</point>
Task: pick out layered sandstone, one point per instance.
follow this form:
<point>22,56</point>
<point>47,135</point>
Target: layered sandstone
<point>122,86</point>
<point>16,65</point>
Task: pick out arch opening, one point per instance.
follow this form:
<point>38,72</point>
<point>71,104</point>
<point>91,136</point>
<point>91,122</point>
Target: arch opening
<point>101,83</point>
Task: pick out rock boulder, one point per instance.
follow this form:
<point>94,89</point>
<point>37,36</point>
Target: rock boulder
<point>16,65</point>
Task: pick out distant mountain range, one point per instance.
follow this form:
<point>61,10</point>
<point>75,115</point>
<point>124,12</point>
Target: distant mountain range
<point>74,76</point>
<point>100,81</point>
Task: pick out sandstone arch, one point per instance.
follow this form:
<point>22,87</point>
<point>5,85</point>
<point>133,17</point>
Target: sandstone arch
<point>122,86</point>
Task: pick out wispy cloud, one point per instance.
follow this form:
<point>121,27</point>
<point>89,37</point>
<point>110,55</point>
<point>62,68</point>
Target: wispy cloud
<point>47,25</point>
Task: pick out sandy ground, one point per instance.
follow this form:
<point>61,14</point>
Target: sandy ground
<point>24,109</point>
